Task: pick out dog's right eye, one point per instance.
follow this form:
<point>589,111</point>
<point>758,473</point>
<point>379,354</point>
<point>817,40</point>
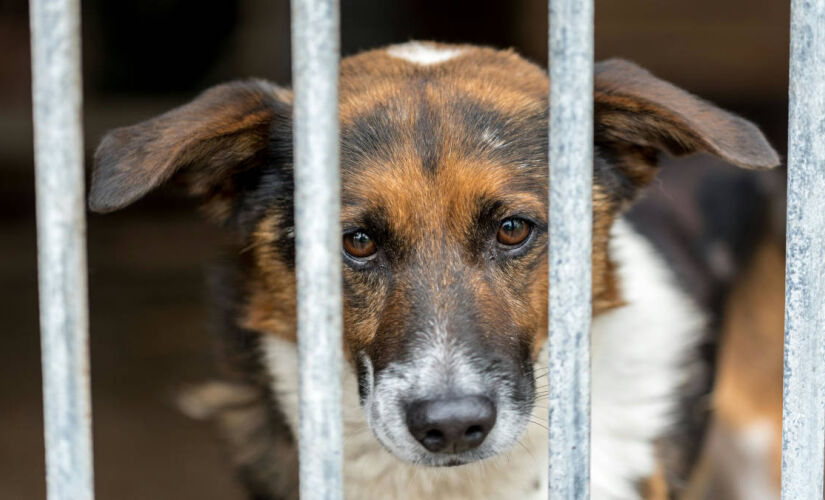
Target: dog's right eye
<point>359,244</point>
<point>513,231</point>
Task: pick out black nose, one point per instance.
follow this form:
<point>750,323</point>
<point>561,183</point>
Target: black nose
<point>451,425</point>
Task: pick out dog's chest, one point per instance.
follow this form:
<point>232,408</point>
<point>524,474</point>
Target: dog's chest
<point>640,357</point>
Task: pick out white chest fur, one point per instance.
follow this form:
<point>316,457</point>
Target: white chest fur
<point>638,356</point>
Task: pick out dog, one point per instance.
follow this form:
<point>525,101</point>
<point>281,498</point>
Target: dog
<point>444,203</point>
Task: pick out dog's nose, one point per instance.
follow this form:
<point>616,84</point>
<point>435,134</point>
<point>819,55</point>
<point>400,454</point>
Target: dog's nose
<point>451,425</point>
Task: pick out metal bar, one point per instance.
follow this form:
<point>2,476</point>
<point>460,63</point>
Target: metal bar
<point>61,241</point>
<point>803,418</point>
<point>571,173</point>
<point>315,56</point>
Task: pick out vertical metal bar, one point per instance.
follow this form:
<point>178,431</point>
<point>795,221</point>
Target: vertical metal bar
<point>571,172</point>
<point>61,241</point>
<point>803,419</point>
<point>315,56</point>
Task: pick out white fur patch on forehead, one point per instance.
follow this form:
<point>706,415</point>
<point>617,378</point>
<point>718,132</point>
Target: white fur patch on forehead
<point>423,53</point>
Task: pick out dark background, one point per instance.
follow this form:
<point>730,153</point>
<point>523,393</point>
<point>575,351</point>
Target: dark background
<point>146,263</point>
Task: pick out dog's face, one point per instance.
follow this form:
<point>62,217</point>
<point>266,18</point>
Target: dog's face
<point>443,219</point>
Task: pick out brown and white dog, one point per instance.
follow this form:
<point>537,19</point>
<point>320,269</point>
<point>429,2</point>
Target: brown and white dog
<point>444,191</point>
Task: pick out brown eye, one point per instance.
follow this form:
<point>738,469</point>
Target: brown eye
<point>513,231</point>
<point>359,244</point>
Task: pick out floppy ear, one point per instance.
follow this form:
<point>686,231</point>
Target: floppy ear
<point>637,114</point>
<point>205,144</point>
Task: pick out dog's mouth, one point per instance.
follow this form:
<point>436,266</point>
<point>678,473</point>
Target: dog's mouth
<point>454,463</point>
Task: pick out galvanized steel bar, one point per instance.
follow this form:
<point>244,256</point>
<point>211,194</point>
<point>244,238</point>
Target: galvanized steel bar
<point>803,420</point>
<point>315,56</point>
<point>571,172</point>
<point>61,242</point>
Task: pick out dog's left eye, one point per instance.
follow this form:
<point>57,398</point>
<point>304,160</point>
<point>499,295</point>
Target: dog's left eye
<point>359,244</point>
<point>513,231</point>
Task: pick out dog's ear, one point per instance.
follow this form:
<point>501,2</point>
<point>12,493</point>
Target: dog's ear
<point>206,145</point>
<point>636,115</point>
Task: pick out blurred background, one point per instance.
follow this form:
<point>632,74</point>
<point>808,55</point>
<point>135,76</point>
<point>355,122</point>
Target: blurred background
<point>147,263</point>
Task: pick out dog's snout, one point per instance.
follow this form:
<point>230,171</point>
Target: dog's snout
<point>451,425</point>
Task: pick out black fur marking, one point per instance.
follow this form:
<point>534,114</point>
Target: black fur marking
<point>369,136</point>
<point>619,187</point>
<point>519,139</point>
<point>258,437</point>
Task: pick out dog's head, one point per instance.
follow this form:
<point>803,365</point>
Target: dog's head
<point>444,188</point>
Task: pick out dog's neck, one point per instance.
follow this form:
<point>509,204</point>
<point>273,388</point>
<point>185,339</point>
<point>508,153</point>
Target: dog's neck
<point>641,355</point>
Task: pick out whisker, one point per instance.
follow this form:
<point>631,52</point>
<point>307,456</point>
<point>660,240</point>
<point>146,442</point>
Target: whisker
<point>540,424</point>
<point>520,443</point>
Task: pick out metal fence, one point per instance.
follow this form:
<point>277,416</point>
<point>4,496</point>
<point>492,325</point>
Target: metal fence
<point>315,36</point>
<point>803,415</point>
<point>61,247</point>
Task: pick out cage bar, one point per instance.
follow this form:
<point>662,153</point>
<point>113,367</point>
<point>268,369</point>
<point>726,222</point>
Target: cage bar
<point>803,418</point>
<point>315,56</point>
<point>570,224</point>
<point>61,247</point>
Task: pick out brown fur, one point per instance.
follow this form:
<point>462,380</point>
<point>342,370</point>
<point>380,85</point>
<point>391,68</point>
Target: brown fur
<point>749,383</point>
<point>270,306</point>
<point>748,389</point>
<point>656,487</point>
